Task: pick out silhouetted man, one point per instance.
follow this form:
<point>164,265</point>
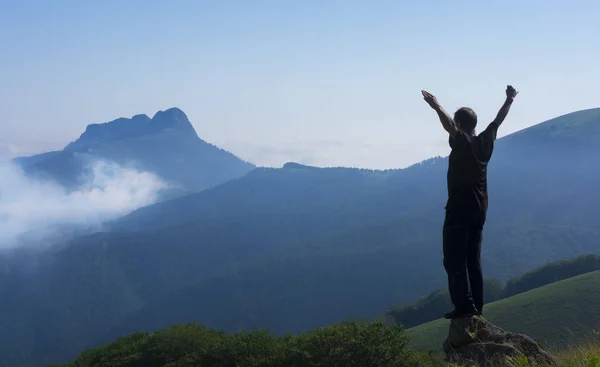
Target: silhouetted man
<point>467,204</point>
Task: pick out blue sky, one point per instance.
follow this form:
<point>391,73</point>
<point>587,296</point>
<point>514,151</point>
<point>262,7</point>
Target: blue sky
<point>314,81</point>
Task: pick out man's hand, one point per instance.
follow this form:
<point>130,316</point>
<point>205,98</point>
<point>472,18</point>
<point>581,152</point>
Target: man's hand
<point>445,119</point>
<point>430,99</point>
<point>511,92</point>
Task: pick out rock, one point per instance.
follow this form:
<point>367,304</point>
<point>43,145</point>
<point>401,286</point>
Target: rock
<point>474,340</point>
<point>139,125</point>
<point>173,118</point>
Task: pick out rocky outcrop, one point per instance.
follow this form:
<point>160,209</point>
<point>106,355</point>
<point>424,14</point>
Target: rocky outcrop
<point>474,340</point>
<point>138,125</point>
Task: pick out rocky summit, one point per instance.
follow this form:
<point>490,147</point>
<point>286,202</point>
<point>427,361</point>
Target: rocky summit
<point>474,340</point>
<point>138,125</point>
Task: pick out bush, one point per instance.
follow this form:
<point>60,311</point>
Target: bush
<point>349,344</point>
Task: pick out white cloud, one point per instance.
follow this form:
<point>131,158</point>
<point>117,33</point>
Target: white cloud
<point>32,207</point>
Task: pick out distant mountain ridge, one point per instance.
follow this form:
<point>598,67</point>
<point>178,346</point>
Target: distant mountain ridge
<point>166,144</point>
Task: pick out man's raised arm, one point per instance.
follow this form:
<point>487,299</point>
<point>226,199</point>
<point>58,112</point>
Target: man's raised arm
<point>511,93</point>
<point>446,120</point>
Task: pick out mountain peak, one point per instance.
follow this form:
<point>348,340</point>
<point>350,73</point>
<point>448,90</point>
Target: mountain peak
<point>172,118</point>
<point>172,112</point>
<point>126,128</point>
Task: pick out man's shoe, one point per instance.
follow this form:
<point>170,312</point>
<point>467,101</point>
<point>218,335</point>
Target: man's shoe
<point>479,311</point>
<point>459,314</point>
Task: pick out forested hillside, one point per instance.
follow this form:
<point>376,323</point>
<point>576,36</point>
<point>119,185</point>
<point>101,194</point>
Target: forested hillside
<point>299,247</point>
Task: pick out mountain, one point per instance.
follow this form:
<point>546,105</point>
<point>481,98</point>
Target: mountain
<point>532,161</point>
<point>299,247</point>
<point>556,315</point>
<point>165,144</point>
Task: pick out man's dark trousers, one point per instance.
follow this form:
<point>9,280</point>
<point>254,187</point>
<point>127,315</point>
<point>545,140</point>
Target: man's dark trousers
<point>462,237</point>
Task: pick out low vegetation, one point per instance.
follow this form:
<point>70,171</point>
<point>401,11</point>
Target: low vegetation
<point>583,354</point>
<point>349,344</point>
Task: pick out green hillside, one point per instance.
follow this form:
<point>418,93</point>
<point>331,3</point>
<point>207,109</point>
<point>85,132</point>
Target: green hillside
<point>430,307</point>
<point>556,315</point>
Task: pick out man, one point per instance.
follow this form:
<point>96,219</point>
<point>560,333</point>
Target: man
<point>467,203</point>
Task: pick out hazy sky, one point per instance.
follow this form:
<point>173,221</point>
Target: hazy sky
<point>314,81</point>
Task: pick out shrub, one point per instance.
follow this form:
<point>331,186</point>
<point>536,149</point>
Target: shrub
<point>348,344</point>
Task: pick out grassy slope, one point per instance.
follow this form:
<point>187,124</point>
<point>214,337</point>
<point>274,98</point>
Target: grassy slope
<point>556,315</point>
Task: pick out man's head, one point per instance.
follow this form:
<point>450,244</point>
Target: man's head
<point>466,119</point>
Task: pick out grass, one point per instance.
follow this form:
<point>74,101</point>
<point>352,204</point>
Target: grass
<point>585,354</point>
<point>557,316</point>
